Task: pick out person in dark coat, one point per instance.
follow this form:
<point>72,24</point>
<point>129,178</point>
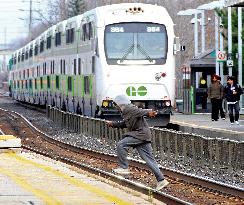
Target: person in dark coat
<point>233,92</point>
<point>221,110</point>
<point>138,136</point>
<point>215,93</point>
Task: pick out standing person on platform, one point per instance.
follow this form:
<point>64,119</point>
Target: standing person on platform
<point>138,136</point>
<point>233,92</point>
<point>221,110</point>
<point>215,93</point>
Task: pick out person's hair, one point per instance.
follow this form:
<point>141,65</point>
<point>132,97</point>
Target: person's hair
<point>231,78</point>
<point>216,76</point>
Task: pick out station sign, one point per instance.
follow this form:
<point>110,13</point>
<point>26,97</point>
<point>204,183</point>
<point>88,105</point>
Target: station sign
<point>221,56</point>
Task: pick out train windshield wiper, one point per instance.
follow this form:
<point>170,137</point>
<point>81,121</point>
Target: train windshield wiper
<point>130,49</point>
<point>144,52</point>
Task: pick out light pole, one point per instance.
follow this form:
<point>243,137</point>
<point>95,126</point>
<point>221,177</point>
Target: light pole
<point>190,12</point>
<point>211,6</point>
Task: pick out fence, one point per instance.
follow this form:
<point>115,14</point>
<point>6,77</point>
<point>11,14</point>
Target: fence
<point>197,151</point>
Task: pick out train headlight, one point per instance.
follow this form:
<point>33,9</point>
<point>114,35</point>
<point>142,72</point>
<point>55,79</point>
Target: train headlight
<point>167,103</point>
<point>105,103</point>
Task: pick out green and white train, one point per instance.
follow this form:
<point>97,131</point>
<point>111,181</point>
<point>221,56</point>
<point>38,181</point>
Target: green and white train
<point>80,64</point>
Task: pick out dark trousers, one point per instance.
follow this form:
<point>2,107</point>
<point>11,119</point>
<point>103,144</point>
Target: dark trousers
<point>221,110</point>
<point>215,108</point>
<point>234,107</point>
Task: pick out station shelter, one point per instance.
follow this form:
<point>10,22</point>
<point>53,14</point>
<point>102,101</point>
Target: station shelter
<point>201,69</point>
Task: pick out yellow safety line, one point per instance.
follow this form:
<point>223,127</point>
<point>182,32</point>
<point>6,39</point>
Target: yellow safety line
<point>7,137</point>
<point>37,192</point>
<point>73,181</point>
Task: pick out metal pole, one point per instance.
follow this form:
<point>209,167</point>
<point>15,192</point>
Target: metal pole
<point>196,35</point>
<point>216,41</point>
<point>229,38</point>
<point>203,30</point>
<point>30,21</point>
<point>221,47</point>
<point>240,51</point>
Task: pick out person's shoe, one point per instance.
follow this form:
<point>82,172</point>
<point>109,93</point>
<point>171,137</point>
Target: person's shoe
<point>232,123</point>
<point>162,184</point>
<point>237,122</point>
<point>121,171</point>
<point>212,119</point>
<point>223,118</point>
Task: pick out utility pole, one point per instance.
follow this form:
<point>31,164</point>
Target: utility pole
<point>229,56</point>
<point>5,46</point>
<point>216,41</point>
<point>30,21</point>
<point>240,51</point>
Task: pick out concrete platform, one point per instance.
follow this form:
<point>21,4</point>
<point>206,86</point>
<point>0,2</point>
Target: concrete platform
<point>203,125</point>
<point>9,141</point>
<point>27,178</point>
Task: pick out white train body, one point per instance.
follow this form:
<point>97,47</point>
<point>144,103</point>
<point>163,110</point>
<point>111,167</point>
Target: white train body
<point>82,63</point>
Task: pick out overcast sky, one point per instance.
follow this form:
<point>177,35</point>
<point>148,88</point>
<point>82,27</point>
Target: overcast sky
<point>10,12</point>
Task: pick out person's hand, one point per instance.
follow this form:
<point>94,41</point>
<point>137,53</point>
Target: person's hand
<point>152,113</point>
<point>109,123</point>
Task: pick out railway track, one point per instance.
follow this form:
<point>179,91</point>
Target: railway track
<point>183,188</point>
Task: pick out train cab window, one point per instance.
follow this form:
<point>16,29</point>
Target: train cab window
<point>48,82</point>
<point>86,85</point>
<point>57,82</point>
<point>49,42</point>
<point>36,50</point>
<point>79,66</point>
<point>58,39</point>
<point>69,83</point>
<point>74,66</point>
<point>133,42</point>
<point>42,46</point>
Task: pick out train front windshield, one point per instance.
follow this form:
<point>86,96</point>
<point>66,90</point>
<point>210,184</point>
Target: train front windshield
<point>128,42</point>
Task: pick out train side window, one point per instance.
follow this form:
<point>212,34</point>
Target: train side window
<point>86,85</point>
<point>83,32</point>
<point>64,67</point>
<point>79,66</point>
<point>26,84</point>
<point>22,84</point>
<point>31,52</point>
<point>48,82</point>
<point>61,66</point>
<point>30,84</point>
<point>57,82</point>
<point>36,50</point>
<point>41,80</point>
<point>26,55</point>
<point>42,46</point>
<point>74,66</point>
<point>35,84</point>
<point>22,57</point>
<point>18,58</point>
<point>18,83</point>
<point>58,39</point>
<point>49,42</point>
<point>69,83</point>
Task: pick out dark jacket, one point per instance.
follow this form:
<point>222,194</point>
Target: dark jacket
<point>216,90</point>
<point>135,123</point>
<point>228,90</point>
